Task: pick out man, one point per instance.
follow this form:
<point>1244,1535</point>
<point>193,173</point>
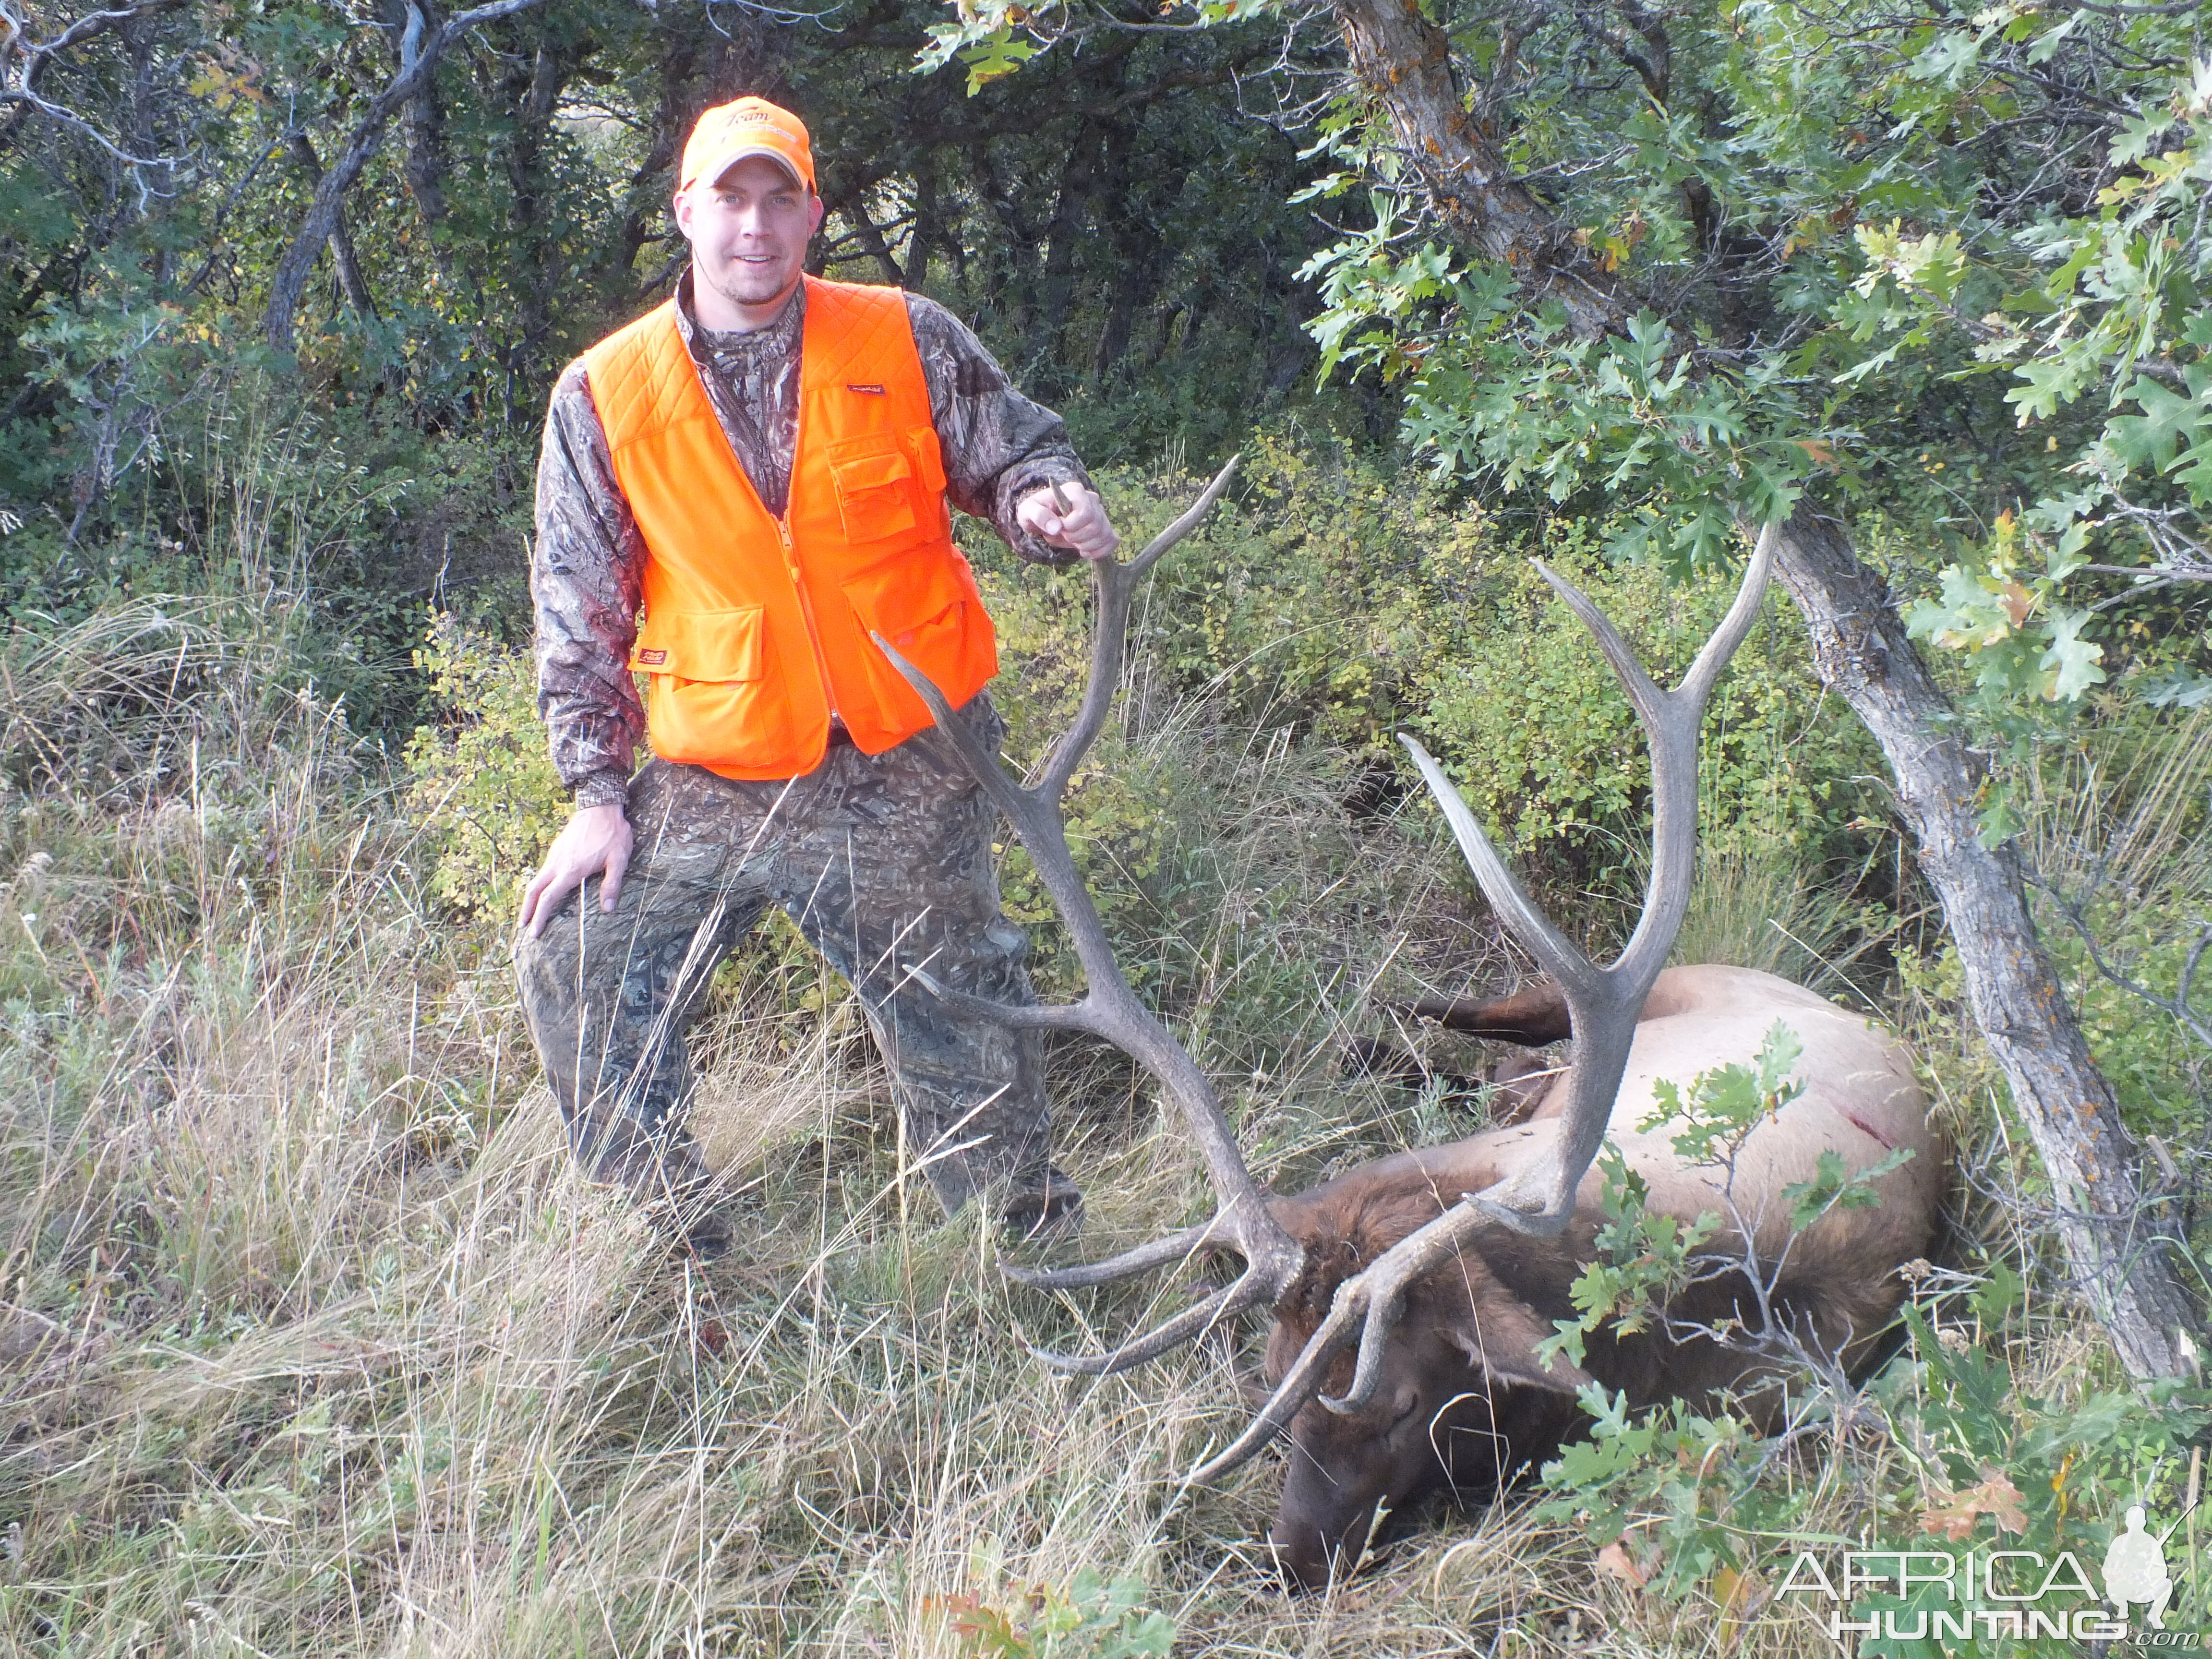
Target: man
<point>763,463</point>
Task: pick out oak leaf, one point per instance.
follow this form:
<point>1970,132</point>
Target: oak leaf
<point>1615,1561</point>
<point>1952,1514</point>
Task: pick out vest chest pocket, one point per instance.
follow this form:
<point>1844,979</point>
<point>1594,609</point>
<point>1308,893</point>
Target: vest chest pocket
<point>877,488</point>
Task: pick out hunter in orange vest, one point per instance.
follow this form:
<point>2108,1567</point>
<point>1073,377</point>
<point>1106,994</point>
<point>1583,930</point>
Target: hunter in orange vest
<point>756,626</point>
<point>736,489</point>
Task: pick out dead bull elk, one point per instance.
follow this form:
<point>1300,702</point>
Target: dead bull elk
<point>1418,1287</point>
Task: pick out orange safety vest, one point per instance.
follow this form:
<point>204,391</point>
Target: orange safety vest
<point>757,628</point>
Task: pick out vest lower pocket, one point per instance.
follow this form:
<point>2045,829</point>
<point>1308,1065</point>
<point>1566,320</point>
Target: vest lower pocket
<point>701,644</point>
<point>926,605</point>
<point>712,701</point>
<point>909,598</point>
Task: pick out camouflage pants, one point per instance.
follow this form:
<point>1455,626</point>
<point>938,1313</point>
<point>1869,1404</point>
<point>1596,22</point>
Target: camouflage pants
<point>884,863</point>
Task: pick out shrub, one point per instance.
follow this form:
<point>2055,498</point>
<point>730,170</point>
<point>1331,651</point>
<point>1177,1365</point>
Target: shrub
<point>1091,1618</point>
<point>1329,600</point>
<point>1545,747</point>
<point>1963,1450</point>
<point>481,785</point>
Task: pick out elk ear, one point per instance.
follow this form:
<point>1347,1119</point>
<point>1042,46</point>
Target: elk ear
<point>1499,1331</point>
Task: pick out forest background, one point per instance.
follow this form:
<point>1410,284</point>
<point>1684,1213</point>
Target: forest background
<point>312,1343</point>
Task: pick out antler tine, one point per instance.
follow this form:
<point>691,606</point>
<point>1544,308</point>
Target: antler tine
<point>1698,682</point>
<point>1560,956</point>
<point>1176,1246</point>
<point>1251,1289</point>
<point>1644,695</point>
<point>1011,799</point>
<point>1033,1016</point>
<point>1155,549</point>
<point>1380,1297</point>
<point>1304,1379</point>
<point>1109,1008</point>
<point>1113,584</point>
<point>1672,730</point>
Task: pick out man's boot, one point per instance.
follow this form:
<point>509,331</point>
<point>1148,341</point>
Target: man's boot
<point>1046,1207</point>
<point>663,1172</point>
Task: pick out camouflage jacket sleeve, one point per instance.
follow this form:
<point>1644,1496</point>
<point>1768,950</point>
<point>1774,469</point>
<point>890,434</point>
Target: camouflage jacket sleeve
<point>997,445</point>
<point>585,577</point>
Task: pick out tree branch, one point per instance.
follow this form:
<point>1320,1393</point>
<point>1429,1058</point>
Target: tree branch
<point>351,282</point>
<point>1405,60</point>
<point>322,214</point>
<point>21,87</point>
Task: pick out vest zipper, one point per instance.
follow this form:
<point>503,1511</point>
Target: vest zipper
<point>807,610</point>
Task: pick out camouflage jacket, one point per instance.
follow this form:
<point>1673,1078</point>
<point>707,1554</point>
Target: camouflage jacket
<point>586,570</point>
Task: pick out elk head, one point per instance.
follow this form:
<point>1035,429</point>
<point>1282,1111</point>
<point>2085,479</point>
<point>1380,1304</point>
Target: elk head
<point>1458,1389</point>
<point>1441,1351</point>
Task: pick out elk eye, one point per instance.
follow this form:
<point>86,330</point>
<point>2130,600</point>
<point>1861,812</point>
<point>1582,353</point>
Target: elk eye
<point>1408,1403</point>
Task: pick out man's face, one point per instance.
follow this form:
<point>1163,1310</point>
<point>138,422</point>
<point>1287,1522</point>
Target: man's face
<point>748,231</point>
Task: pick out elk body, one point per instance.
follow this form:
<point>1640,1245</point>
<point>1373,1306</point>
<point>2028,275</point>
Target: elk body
<point>1463,1397</point>
<point>1378,1279</point>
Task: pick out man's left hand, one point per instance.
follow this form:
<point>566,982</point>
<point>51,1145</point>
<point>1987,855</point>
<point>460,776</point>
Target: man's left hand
<point>1084,526</point>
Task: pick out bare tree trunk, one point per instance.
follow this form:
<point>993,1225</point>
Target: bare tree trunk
<point>532,94</point>
<point>2117,1247</point>
<point>929,223</point>
<point>1062,235</point>
<point>1021,274</point>
<point>1405,60</point>
<point>351,282</point>
<point>1139,256</point>
<point>853,205</point>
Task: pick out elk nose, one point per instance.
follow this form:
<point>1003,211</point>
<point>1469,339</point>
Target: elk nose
<point>1303,1554</point>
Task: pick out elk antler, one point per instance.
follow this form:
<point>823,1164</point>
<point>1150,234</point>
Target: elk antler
<point>1109,1009</point>
<point>1603,1004</point>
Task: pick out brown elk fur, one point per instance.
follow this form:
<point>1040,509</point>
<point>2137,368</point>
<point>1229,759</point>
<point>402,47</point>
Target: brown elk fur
<point>1464,1398</point>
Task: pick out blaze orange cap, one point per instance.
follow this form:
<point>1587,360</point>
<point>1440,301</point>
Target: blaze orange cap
<point>727,133</point>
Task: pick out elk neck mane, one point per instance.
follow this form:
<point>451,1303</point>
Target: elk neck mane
<point>1344,1225</point>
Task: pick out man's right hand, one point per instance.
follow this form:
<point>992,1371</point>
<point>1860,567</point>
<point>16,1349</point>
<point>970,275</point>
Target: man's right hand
<point>595,842</point>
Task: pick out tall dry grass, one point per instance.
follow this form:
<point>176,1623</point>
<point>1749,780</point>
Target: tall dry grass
<point>315,1343</point>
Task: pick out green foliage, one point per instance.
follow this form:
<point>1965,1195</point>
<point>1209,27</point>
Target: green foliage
<point>481,785</point>
<point>1089,1617</point>
<point>1329,602</point>
<point>517,209</point>
<point>1546,748</point>
<point>1909,304</point>
<point>1728,1103</point>
<point>2015,1469</point>
<point>1702,1503</point>
<point>1336,600</point>
<point>1691,1493</point>
<point>1987,614</point>
<point>1642,1260</point>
